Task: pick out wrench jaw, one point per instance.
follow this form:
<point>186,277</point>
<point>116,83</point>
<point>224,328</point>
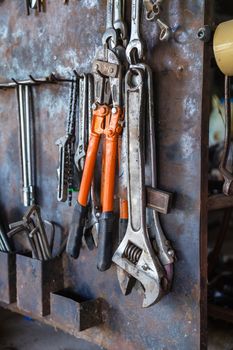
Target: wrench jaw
<point>121,28</point>
<point>162,246</point>
<point>109,38</point>
<point>126,281</point>
<point>144,268</point>
<point>79,158</point>
<point>134,51</point>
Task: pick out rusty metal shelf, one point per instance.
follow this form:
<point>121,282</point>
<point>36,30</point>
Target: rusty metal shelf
<point>219,201</point>
<point>220,313</point>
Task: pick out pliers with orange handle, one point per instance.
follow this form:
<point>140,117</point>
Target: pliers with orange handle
<point>107,122</point>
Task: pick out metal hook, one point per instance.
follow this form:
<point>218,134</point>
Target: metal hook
<point>152,9</point>
<point>33,79</point>
<point>53,77</point>
<point>78,76</point>
<point>15,81</point>
<point>41,81</point>
<point>165,33</point>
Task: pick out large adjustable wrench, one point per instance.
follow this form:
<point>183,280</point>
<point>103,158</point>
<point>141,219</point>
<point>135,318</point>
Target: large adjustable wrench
<point>135,254</point>
<point>162,245</point>
<point>165,251</point>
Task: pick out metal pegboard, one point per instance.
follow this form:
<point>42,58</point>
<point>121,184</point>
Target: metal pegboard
<point>67,37</point>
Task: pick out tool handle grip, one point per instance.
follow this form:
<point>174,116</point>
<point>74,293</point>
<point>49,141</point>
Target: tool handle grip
<point>74,241</point>
<point>123,223</point>
<point>104,258</point>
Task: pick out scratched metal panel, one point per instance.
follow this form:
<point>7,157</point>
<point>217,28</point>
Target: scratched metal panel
<point>67,37</point>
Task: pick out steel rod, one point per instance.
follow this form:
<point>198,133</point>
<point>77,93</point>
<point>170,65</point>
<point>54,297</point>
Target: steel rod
<point>52,79</point>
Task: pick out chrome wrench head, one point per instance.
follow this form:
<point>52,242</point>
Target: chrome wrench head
<point>80,153</point>
<point>110,35</point>
<point>119,24</point>
<point>135,48</point>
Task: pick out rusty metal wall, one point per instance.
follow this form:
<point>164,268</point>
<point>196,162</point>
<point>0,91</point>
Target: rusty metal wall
<point>67,37</point>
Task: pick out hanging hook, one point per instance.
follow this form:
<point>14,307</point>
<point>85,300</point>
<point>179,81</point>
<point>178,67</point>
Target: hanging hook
<point>78,76</point>
<point>15,81</point>
<point>53,77</point>
<point>41,81</point>
<point>165,33</point>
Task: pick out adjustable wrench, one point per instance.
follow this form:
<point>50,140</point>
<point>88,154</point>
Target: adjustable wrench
<point>135,254</point>
<point>80,153</point>
<point>165,251</point>
<point>135,49</point>
<point>163,246</point>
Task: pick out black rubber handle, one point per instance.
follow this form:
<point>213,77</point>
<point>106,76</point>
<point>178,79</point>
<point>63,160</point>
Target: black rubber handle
<point>74,242</point>
<point>123,223</point>
<point>104,258</point>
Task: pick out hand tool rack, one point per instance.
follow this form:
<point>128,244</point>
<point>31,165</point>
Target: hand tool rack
<point>60,40</point>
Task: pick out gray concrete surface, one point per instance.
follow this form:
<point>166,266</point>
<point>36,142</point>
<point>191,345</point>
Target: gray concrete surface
<point>20,333</point>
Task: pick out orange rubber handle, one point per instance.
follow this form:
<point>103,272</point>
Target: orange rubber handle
<point>88,170</point>
<point>124,209</point>
<point>112,131</point>
<point>97,128</point>
<point>109,174</point>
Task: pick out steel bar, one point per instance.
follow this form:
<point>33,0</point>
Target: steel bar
<point>52,79</point>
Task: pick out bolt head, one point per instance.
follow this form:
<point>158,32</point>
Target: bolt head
<point>102,110</point>
<point>114,110</point>
<point>171,252</point>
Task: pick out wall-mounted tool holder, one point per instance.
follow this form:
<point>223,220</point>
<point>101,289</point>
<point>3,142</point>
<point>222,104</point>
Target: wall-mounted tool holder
<point>35,281</point>
<point>7,277</point>
<point>74,311</point>
<point>177,68</point>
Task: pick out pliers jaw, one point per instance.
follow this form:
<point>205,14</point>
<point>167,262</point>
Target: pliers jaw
<point>107,67</point>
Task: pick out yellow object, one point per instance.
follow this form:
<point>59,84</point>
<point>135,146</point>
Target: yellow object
<point>223,47</point>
